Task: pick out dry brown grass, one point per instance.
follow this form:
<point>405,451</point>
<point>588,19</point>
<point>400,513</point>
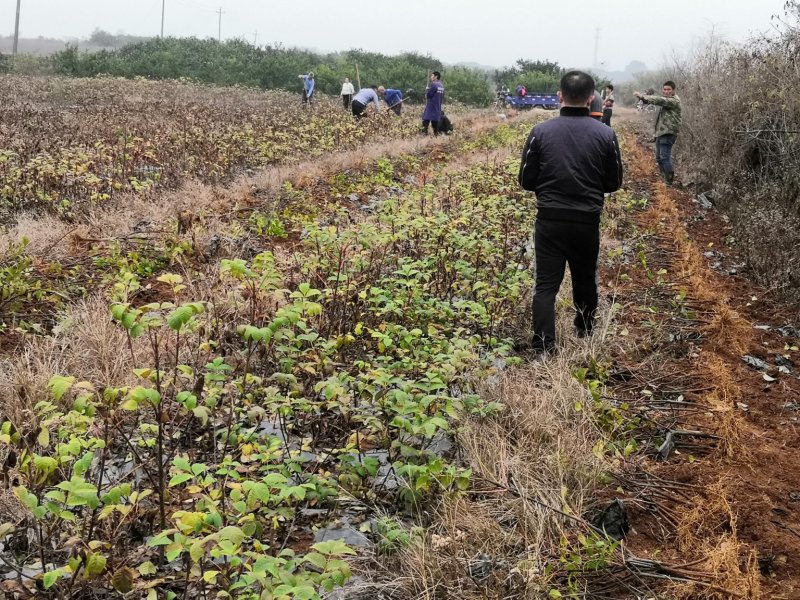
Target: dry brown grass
<point>93,348</point>
<point>541,448</point>
<point>639,163</point>
<point>709,529</point>
<point>728,331</point>
<point>86,344</point>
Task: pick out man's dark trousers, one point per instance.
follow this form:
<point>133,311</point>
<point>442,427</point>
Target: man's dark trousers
<point>357,108</point>
<point>664,144</point>
<point>558,243</point>
<point>434,124</point>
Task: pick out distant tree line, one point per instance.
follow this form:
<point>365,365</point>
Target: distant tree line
<point>538,76</point>
<point>104,39</point>
<point>237,62</point>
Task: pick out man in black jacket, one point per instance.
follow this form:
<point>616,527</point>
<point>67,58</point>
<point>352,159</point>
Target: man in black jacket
<point>570,162</point>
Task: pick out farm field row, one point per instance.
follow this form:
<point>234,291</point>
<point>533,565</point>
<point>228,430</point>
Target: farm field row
<point>252,397</point>
<point>69,143</point>
<point>314,379</point>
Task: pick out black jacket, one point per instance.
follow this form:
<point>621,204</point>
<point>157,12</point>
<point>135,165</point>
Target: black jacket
<point>570,162</point>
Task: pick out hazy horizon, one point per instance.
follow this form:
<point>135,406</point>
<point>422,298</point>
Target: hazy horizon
<point>465,31</point>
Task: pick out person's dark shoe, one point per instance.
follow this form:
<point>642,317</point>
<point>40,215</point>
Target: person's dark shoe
<point>583,333</point>
<point>541,350</point>
<point>669,178</point>
<point>541,355</point>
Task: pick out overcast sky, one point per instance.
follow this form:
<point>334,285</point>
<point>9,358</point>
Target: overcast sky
<point>490,32</point>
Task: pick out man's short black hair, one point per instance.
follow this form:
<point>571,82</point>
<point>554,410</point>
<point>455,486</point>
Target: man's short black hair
<point>670,83</point>
<point>577,87</point>
<point>438,75</point>
<point>611,87</point>
<point>374,87</point>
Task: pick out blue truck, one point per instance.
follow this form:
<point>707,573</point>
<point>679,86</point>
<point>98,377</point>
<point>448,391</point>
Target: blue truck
<point>548,101</point>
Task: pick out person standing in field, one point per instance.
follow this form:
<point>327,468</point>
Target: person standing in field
<point>570,162</point>
<point>347,93</point>
<point>596,106</point>
<point>668,125</point>
<point>394,100</point>
<point>308,87</point>
<point>434,95</point>
<point>608,105</point>
<point>364,97</point>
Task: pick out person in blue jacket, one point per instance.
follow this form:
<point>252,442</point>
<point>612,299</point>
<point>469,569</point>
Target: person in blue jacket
<point>394,100</point>
<point>308,87</point>
<point>434,95</point>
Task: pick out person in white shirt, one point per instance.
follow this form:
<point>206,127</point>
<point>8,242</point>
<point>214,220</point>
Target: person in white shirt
<point>364,97</point>
<point>347,93</point>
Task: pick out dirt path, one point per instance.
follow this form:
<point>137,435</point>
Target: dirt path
<point>732,505</point>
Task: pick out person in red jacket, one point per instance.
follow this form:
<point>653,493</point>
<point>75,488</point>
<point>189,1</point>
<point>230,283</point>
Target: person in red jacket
<point>608,105</point>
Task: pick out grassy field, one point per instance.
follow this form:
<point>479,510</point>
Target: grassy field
<point>252,381</point>
<point>293,363</point>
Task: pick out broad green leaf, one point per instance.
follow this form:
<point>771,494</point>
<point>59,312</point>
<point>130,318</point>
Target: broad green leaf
<point>147,568</point>
<point>182,463</point>
<point>45,465</point>
<point>316,559</point>
<point>179,317</point>
<point>44,437</point>
<point>333,547</point>
<point>143,394</point>
<point>59,385</point>
<point>197,550</point>
<point>117,310</point>
<point>95,565</point>
<point>162,539</point>
<point>171,278</point>
<point>49,578</point>
<point>210,576</point>
<point>82,465</point>
<point>233,534</point>
<point>179,479</point>
<point>173,551</point>
<point>202,413</point>
<point>28,499</point>
<point>130,404</point>
<point>80,492</point>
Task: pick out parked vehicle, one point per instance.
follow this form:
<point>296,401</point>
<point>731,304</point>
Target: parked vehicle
<point>548,101</point>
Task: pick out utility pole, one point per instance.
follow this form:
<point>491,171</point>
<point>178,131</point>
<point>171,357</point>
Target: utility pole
<point>163,3</point>
<point>219,28</point>
<point>596,45</point>
<point>16,31</point>
<point>255,37</point>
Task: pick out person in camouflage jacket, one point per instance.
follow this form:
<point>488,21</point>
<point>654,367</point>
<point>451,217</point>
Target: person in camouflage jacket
<point>668,124</point>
